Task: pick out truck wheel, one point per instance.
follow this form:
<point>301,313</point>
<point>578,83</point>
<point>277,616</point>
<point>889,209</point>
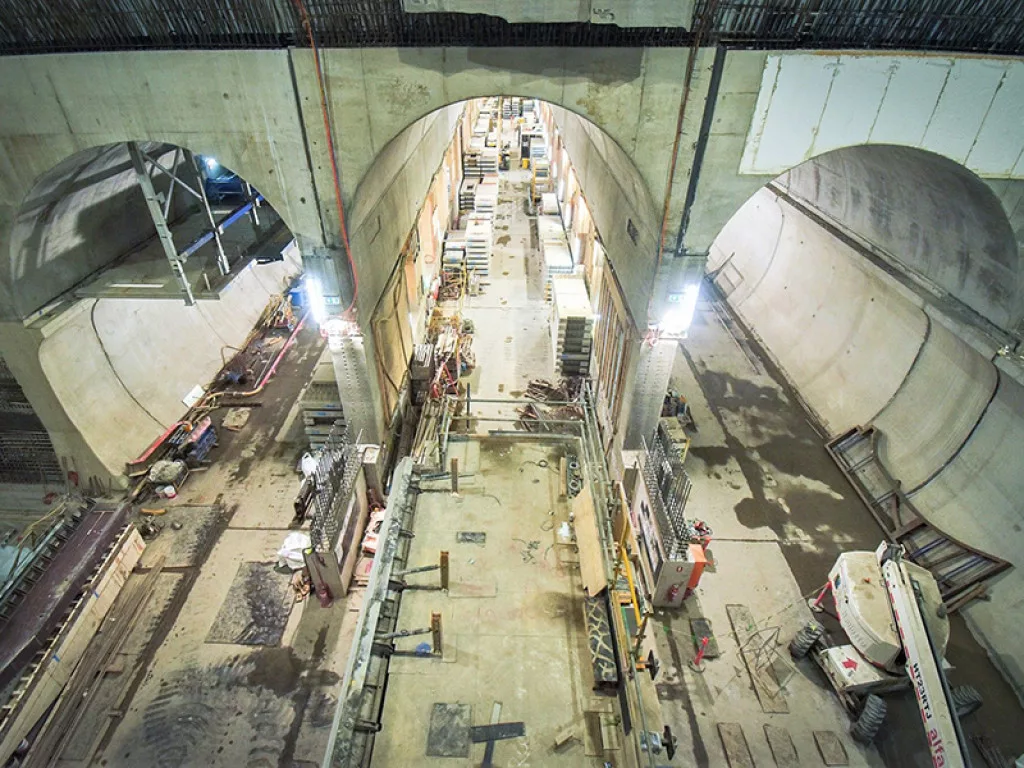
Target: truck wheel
<point>871,717</point>
<point>805,639</point>
<point>966,699</point>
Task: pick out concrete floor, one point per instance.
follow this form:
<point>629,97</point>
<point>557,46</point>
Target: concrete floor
<point>764,482</point>
<point>222,704</point>
<point>513,337</point>
<point>512,619</point>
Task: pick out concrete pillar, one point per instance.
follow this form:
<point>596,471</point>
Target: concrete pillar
<point>650,382</point>
<point>19,347</point>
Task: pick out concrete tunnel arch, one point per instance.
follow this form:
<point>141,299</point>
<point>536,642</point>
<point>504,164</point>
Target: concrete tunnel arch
<point>612,182</point>
<point>863,347</point>
<point>108,375</point>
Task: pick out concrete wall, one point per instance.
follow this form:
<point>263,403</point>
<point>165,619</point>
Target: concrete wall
<point>851,110</point>
<point>239,106</point>
<point>862,349</point>
<point>375,94</point>
<point>930,214</point>
<point>615,195</point>
<point>388,204</point>
<point>120,368</point>
<point>624,13</point>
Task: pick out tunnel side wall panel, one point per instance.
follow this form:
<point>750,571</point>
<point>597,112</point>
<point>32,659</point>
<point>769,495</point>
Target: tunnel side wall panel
<point>976,499</point>
<point>934,411</point>
<point>120,368</point>
<point>927,212</point>
<point>845,340</point>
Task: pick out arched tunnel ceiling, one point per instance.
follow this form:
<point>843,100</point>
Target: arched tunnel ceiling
<point>929,213</point>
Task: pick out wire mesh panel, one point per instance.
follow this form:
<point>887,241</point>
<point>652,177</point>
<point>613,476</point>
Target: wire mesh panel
<point>668,487</point>
<point>994,26</point>
<point>337,466</point>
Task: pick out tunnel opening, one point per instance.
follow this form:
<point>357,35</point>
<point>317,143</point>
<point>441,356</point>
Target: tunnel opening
<point>521,209</point>
<point>883,285</point>
<point>137,273</point>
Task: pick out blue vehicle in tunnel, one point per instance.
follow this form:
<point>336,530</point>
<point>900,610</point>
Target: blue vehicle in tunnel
<point>221,184</point>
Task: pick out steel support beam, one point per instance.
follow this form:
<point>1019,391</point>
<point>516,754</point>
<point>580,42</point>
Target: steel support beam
<point>222,259</point>
<point>174,183</point>
<point>253,198</point>
<point>157,215</point>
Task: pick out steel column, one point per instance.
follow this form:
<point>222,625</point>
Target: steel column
<point>157,215</point>
<point>255,200</point>
<point>222,259</point>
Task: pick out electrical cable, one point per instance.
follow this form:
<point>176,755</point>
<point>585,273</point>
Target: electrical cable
<point>328,129</point>
<point>113,370</point>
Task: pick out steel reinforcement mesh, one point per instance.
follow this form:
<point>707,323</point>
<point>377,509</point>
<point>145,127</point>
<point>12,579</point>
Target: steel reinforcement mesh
<point>30,26</point>
<point>26,453</point>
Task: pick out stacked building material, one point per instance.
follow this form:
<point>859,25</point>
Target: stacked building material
<point>453,258</point>
<point>321,403</point>
<point>479,238</point>
<point>467,190</point>
<point>421,372</point>
<point>488,161</point>
<point>554,249</point>
<point>572,328</point>
<point>538,146</point>
<point>471,165</point>
<point>486,195</point>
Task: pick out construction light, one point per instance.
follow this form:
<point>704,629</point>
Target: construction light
<point>211,164</point>
<point>315,299</point>
<point>679,315</point>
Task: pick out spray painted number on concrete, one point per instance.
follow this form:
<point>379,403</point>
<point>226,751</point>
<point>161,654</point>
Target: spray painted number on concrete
<point>968,109</point>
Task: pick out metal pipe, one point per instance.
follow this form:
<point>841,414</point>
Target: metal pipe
<point>218,227</point>
<point>703,22</point>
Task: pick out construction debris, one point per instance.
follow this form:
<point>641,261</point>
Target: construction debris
<point>236,418</point>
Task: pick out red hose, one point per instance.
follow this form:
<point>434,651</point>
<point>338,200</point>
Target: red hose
<point>330,147</point>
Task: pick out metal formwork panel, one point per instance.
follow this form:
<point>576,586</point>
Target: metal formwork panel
<point>348,353</point>
<point>654,368</point>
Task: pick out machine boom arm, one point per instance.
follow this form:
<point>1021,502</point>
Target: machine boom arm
<point>942,729</point>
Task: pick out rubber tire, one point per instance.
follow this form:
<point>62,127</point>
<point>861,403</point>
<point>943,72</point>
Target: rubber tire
<point>870,720</point>
<point>966,699</point>
<point>805,639</point>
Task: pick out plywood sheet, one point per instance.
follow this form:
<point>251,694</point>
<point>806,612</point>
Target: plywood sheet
<point>589,542</point>
<point>831,747</point>
<point>256,608</point>
<point>758,661</point>
<point>734,742</point>
<point>783,749</point>
<point>449,730</point>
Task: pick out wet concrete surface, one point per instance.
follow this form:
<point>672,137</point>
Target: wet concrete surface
<point>227,704</point>
<point>757,448</point>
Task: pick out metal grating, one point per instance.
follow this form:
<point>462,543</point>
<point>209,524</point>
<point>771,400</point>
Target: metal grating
<point>26,453</point>
<point>29,26</point>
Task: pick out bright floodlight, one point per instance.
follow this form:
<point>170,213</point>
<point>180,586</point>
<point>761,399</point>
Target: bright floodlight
<point>315,297</point>
<point>211,163</point>
<point>680,313</point>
